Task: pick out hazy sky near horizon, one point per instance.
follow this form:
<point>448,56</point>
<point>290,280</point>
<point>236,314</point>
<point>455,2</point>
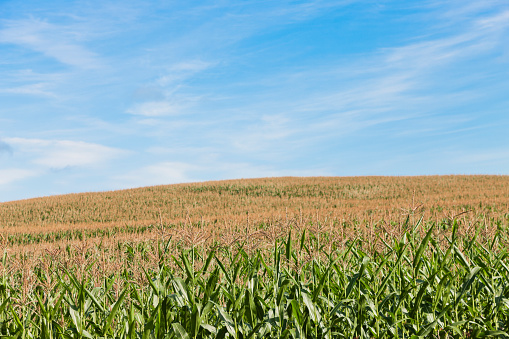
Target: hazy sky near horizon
<point>104,95</point>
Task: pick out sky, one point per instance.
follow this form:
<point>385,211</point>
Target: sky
<point>106,95</point>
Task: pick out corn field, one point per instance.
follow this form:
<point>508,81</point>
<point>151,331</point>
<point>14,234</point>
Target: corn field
<point>428,269</point>
<point>414,287</point>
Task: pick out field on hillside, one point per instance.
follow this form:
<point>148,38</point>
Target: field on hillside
<point>216,208</point>
<point>360,257</point>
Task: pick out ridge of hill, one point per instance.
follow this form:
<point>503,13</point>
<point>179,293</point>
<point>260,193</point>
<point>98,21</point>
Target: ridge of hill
<point>255,200</point>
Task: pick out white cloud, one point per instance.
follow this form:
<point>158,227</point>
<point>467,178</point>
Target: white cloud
<point>180,172</point>
<point>249,170</point>
<point>59,154</point>
<point>155,109</point>
<point>8,176</point>
<point>476,157</point>
<point>262,134</point>
<point>495,22</point>
<point>182,71</point>
<point>191,66</point>
<point>38,89</point>
<point>54,41</point>
<point>158,174</point>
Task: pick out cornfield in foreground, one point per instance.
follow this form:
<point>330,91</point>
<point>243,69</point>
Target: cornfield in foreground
<point>416,285</point>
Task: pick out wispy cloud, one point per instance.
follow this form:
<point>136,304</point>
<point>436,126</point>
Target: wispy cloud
<point>28,82</point>
<point>242,170</point>
<point>55,41</point>
<point>155,109</point>
<point>164,98</point>
<point>412,81</point>
<point>60,154</point>
<point>8,176</point>
<point>484,157</point>
<point>228,22</point>
<point>38,89</point>
<point>181,71</point>
<point>171,172</point>
<point>263,134</point>
<point>158,174</point>
<point>427,86</point>
<point>482,35</point>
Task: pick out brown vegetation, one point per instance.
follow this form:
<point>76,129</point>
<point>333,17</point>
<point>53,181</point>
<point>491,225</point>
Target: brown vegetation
<point>254,211</point>
<point>220,202</point>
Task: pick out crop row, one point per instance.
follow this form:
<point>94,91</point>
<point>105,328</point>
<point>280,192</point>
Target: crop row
<point>412,287</point>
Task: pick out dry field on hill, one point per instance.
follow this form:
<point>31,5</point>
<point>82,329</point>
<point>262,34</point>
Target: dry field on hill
<point>360,198</point>
<point>258,210</point>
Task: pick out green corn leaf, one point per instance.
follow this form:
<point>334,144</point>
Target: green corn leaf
<point>209,328</point>
<point>417,224</point>
<point>426,330</point>
<point>228,321</point>
<point>462,258</point>
<point>254,331</point>
<point>94,300</point>
<point>188,267</point>
<point>225,272</point>
<point>468,281</point>
<point>356,277</point>
<point>180,331</point>
<point>113,312</point>
<point>250,307</point>
<point>207,262</point>
<point>86,334</point>
<point>417,302</point>
<point>195,320</point>
<point>76,319</point>
<point>289,245</point>
<point>455,327</point>
<point>181,288</point>
<point>420,250</point>
<point>388,276</point>
<point>155,288</point>
<point>177,262</point>
<point>493,334</point>
<point>4,305</point>
<point>302,240</point>
<point>41,305</point>
<point>313,310</point>
<point>296,313</point>
<point>281,291</point>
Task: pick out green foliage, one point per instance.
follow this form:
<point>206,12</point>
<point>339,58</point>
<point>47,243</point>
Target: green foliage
<point>419,287</point>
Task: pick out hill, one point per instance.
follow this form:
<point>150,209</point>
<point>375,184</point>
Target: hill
<point>220,205</point>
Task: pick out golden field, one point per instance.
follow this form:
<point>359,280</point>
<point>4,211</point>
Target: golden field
<point>226,211</point>
<point>369,198</point>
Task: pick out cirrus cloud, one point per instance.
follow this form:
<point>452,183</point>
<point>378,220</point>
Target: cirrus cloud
<point>154,109</point>
<point>168,172</point>
<point>10,175</point>
<point>59,154</point>
<point>58,42</point>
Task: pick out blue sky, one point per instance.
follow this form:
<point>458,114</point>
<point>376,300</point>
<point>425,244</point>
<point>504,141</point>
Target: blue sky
<point>104,95</point>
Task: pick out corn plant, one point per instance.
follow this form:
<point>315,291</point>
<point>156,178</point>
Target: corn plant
<point>420,285</point>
